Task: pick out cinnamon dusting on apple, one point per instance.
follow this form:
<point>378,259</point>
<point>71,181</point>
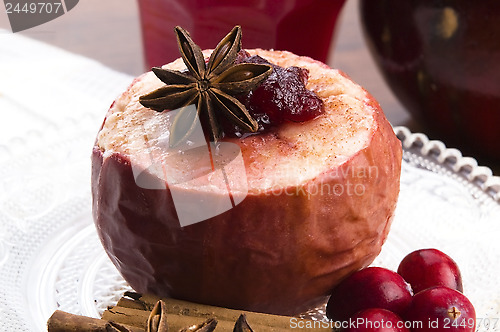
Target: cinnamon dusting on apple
<point>344,127</point>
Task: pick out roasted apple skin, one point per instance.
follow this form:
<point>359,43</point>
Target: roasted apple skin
<point>440,58</point>
<point>274,252</point>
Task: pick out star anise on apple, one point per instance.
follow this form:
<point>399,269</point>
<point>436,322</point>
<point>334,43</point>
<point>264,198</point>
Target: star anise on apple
<point>211,86</point>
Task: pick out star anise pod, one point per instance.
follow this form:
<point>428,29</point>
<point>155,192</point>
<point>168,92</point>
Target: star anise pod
<point>206,326</point>
<point>157,320</point>
<point>211,86</point>
<point>242,324</point>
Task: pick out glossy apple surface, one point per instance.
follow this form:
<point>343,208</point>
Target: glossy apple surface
<point>288,243</point>
<point>441,60</point>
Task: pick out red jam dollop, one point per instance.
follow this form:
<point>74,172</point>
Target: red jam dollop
<point>281,97</point>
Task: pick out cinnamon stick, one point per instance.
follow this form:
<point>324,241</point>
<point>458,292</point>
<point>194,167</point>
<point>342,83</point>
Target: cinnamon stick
<point>61,321</point>
<point>175,322</point>
<point>185,308</point>
<point>128,316</point>
<point>182,313</point>
<point>132,304</point>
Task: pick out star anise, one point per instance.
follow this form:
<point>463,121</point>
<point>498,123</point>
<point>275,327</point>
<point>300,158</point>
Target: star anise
<point>211,86</point>
<point>242,324</point>
<point>157,320</point>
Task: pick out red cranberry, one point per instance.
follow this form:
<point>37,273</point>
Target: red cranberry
<point>373,287</point>
<point>441,309</point>
<point>376,320</point>
<point>427,268</point>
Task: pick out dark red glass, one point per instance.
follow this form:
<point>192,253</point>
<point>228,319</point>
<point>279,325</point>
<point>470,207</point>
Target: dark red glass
<point>304,27</point>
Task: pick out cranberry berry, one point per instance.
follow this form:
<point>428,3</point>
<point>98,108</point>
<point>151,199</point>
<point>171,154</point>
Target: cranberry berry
<point>376,320</point>
<point>427,268</point>
<point>373,287</point>
<point>441,309</point>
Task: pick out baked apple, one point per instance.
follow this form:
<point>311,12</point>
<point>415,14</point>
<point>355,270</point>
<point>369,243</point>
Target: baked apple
<point>311,201</point>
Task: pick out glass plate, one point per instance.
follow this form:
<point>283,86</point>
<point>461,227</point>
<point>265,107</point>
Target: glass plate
<point>51,257</point>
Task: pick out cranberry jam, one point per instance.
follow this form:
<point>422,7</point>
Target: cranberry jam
<point>281,97</point>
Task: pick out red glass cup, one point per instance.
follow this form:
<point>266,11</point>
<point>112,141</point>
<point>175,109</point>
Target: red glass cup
<point>304,27</point>
<point>441,59</point>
